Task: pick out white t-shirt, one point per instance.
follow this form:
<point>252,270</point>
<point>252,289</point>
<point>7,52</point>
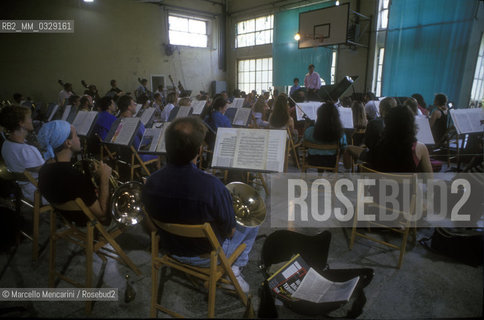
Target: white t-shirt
<point>63,95</point>
<point>165,114</point>
<point>20,156</point>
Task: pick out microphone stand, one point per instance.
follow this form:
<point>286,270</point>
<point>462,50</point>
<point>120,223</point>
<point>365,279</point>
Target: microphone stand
<point>305,116</point>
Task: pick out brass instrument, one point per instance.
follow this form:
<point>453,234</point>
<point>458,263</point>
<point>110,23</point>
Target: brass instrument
<point>249,207</point>
<point>126,206</point>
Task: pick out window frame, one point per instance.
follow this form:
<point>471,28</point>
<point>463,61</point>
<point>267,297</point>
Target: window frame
<point>189,17</point>
<point>381,9</point>
<point>254,32</point>
<point>477,89</point>
<point>270,80</point>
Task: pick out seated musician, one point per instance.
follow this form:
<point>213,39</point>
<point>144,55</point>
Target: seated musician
<point>64,94</point>
<point>105,118</point>
<point>59,182</point>
<point>171,99</point>
<point>74,101</point>
<point>142,89</point>
<point>359,121</point>
<point>18,155</point>
<point>280,118</point>
<point>398,150</point>
<point>438,119</point>
<point>259,111</point>
<point>327,130</point>
<point>371,106</point>
<point>181,193</point>
<point>86,103</point>
<point>127,109</point>
<point>158,104</point>
<point>295,87</point>
<point>216,117</point>
<point>373,133</point>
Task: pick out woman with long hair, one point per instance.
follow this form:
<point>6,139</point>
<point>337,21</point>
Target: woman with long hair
<point>398,150</point>
<point>327,130</point>
<point>280,118</point>
<point>359,121</point>
<point>259,111</point>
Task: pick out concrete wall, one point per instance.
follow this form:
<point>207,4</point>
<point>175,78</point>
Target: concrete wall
<point>113,39</point>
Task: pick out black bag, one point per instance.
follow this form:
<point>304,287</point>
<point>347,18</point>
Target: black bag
<point>462,244</point>
<point>282,245</point>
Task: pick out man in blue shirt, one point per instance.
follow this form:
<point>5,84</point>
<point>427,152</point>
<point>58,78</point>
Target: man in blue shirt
<point>295,87</point>
<point>182,193</point>
<point>105,118</point>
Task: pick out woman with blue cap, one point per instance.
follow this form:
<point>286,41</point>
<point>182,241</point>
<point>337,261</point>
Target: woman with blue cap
<point>59,182</point>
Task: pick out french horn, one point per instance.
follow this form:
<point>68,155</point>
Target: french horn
<point>249,207</point>
<point>126,206</point>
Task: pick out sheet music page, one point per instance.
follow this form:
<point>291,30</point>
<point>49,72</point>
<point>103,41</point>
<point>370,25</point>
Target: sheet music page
<point>310,108</point>
<point>242,116</point>
<point>224,150</point>
<point>84,121</point>
<point>138,108</point>
<point>276,150</point>
<point>182,112</point>
<point>346,117</point>
<point>316,288</point>
<point>161,147</point>
<point>237,103</point>
<point>125,131</point>
<point>467,120</point>
<point>198,106</point>
<point>66,112</point>
<point>147,115</point>
<point>149,140</point>
<point>424,133</point>
<point>54,110</point>
<point>251,149</point>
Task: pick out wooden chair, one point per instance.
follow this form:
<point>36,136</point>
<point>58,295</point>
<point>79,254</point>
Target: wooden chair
<point>211,276</point>
<point>308,145</point>
<point>38,209</point>
<point>292,147</point>
<point>404,225</point>
<point>87,240</point>
<point>138,163</point>
<point>357,133</point>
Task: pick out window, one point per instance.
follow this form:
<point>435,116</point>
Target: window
<point>477,92</point>
<point>255,74</point>
<point>186,31</point>
<point>379,71</point>
<point>333,68</point>
<point>254,32</point>
<point>383,14</point>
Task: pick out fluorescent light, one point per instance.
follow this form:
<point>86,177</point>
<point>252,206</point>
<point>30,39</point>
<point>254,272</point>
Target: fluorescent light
<point>297,36</point>
<point>337,2</point>
<point>88,0</point>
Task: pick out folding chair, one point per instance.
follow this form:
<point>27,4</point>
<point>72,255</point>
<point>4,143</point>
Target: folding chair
<point>211,276</point>
<point>86,239</point>
<point>357,134</point>
<point>308,145</point>
<point>404,225</point>
<point>38,209</point>
<point>293,147</point>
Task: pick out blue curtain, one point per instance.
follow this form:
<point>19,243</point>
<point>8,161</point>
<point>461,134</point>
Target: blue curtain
<point>289,61</point>
<point>426,47</point>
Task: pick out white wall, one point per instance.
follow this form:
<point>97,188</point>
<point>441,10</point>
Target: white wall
<point>113,39</point>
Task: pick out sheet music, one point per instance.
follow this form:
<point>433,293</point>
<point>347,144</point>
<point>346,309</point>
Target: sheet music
<point>256,149</point>
<point>242,117</point>
<point>161,147</point>
<point>467,120</point>
<point>224,151</point>
<point>310,108</point>
<point>147,115</point>
<point>138,108</point>
<point>149,140</point>
<point>125,131</point>
<point>198,106</point>
<point>346,117</point>
<point>251,149</point>
<point>424,133</point>
<point>67,111</point>
<point>237,103</point>
<point>183,112</point>
<point>54,110</point>
<point>84,121</point>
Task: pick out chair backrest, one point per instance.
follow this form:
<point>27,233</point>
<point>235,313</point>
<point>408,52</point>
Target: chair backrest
<point>316,146</point>
<point>75,205</point>
<point>190,231</point>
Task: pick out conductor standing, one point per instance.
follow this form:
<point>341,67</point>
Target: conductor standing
<point>312,82</point>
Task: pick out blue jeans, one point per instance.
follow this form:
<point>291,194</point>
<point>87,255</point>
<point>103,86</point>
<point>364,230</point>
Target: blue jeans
<point>241,235</point>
